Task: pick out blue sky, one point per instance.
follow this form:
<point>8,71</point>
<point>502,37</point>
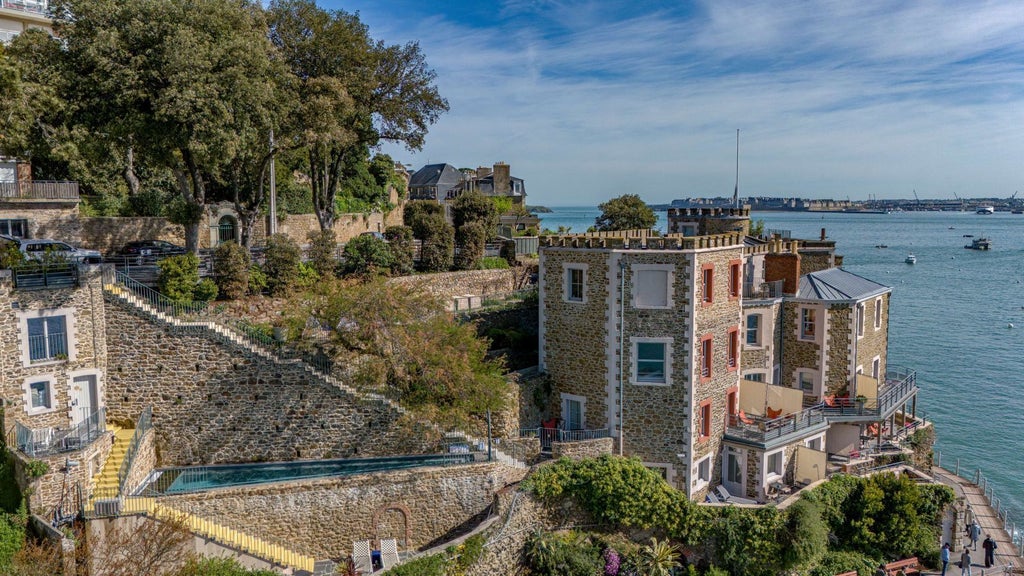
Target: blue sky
<point>588,100</point>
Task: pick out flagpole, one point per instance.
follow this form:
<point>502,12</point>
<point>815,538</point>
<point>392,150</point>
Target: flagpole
<point>736,190</point>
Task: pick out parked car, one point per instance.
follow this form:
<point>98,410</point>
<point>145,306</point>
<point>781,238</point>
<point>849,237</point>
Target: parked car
<point>43,249</point>
<point>376,235</point>
<point>150,248</point>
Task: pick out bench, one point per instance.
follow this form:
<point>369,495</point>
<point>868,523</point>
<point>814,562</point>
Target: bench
<point>908,565</point>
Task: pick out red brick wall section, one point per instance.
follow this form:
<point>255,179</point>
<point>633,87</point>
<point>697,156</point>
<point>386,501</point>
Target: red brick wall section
<point>784,267</point>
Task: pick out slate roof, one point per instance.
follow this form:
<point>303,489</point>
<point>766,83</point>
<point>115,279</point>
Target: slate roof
<point>443,176</point>
<point>838,284</point>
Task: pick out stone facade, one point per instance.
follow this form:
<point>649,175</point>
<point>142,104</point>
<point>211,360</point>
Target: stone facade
<point>763,357</point>
<point>580,346</point>
<point>875,341</point>
<point>60,483</point>
<point>216,401</point>
<point>46,219</point>
<point>322,517</point>
<point>108,235</point>
<point>144,462</point>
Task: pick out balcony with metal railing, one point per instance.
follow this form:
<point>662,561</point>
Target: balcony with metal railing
<point>549,435</point>
<point>767,433</point>
<point>39,190</point>
<point>38,276</point>
<point>763,290</point>
<point>36,442</point>
<point>900,387</point>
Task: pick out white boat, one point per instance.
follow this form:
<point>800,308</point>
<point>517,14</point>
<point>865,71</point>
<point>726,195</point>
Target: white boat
<point>910,259</point>
<point>985,210</point>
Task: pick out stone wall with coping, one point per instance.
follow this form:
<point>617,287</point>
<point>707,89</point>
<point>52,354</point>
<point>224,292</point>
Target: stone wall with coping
<point>54,220</point>
<point>144,462</point>
<point>582,449</point>
<point>322,517</point>
<point>446,285</point>
<point>110,234</point>
<point>217,401</point>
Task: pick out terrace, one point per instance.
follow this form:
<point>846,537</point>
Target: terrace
<point>48,441</point>
<point>39,190</point>
<point>32,6</point>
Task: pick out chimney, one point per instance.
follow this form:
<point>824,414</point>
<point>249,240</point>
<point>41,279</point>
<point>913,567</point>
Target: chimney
<point>502,180</point>
<point>785,267</point>
<point>822,234</point>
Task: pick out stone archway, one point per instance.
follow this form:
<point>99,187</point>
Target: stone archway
<point>393,521</point>
<point>227,229</point>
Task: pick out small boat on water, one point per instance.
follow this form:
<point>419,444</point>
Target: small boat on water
<point>980,244</point>
<point>985,210</point>
<point>881,245</point>
<point>968,235</point>
<point>910,259</point>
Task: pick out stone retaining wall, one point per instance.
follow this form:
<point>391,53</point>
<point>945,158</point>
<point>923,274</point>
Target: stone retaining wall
<point>323,517</point>
<point>144,462</point>
<point>47,490</point>
<point>216,401</point>
<point>446,285</point>
<point>582,449</point>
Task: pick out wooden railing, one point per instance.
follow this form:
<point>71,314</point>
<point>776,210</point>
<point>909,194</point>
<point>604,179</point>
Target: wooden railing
<point>40,190</point>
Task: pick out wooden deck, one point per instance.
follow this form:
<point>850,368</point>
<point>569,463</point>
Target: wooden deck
<point>973,497</point>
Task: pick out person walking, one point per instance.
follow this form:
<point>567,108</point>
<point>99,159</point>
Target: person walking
<point>965,562</point>
<point>944,556</point>
<point>975,534</point>
<point>990,550</point>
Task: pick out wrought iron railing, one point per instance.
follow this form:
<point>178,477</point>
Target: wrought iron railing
<point>141,427</point>
<point>45,347</point>
<point>549,435</point>
<point>37,442</point>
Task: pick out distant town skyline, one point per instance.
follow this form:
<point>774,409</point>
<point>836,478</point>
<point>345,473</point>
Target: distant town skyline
<point>589,100</point>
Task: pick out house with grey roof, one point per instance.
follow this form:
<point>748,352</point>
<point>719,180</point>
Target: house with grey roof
<point>434,182</point>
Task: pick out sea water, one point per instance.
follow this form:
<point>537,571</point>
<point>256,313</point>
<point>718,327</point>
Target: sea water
<point>956,317</point>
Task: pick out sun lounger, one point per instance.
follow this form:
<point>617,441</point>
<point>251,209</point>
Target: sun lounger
<point>389,552</point>
<point>361,557</point>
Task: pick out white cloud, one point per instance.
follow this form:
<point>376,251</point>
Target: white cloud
<point>834,99</point>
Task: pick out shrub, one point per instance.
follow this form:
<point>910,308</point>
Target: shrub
<point>36,468</point>
<point>149,202</point>
<point>568,554</point>
<point>508,252</point>
<point>308,275</point>
<point>493,263</point>
<point>475,207</point>
<point>806,533</point>
<point>438,245</point>
<point>423,566</point>
<point>323,247</point>
<point>231,264</point>
<point>205,291</point>
<point>213,566</point>
<point>257,280</point>
<point>12,535</point>
<point>10,255</point>
<point>400,240</point>
<point>419,216</point>
<point>366,254</point>
<point>470,238</point>
<point>179,276</point>
<point>281,264</point>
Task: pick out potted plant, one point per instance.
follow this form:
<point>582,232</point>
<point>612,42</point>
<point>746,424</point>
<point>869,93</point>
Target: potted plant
<point>861,400</point>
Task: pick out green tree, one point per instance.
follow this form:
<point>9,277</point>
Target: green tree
<point>806,534</point>
<point>231,265</point>
<point>189,83</point>
<point>281,263</point>
<point>418,216</point>
<point>323,250</point>
<point>400,240</point>
<point>471,239</point>
<point>437,248</point>
<point>367,255</point>
<point>473,206</point>
<point>353,92</point>
<point>627,212</point>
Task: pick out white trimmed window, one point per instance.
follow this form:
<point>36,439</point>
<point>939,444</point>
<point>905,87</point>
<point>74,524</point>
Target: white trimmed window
<point>652,286</point>
<point>39,394</point>
<point>774,464</point>
<point>659,469</point>
<point>46,335</point>
<point>860,320</point>
<point>808,323</point>
<point>574,411</point>
<point>575,282</point>
<point>806,380</point>
<point>754,376</point>
<point>753,331</point>
<point>653,361</point>
<point>704,471</point>
<point>878,313</point>
<point>876,367</point>
<point>813,443</point>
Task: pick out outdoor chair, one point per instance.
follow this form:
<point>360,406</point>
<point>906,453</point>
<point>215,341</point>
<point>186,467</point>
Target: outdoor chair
<point>361,557</point>
<point>389,552</point>
<point>723,493</point>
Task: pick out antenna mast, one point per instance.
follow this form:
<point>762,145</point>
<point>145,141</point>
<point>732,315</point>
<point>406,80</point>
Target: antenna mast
<point>736,190</point>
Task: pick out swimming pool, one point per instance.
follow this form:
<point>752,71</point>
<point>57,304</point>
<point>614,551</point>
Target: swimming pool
<point>199,478</point>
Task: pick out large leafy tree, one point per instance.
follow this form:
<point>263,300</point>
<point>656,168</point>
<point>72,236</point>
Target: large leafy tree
<point>189,83</point>
<point>353,92</point>
<point>627,212</point>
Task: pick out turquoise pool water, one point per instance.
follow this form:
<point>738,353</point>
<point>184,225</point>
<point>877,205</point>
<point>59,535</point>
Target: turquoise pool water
<point>199,478</point>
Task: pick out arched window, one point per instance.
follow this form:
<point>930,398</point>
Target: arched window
<point>227,229</point>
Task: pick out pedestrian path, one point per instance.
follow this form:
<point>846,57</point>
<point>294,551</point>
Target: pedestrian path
<point>1007,556</point>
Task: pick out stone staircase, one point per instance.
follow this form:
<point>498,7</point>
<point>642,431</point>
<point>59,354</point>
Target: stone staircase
<point>227,334</point>
<point>106,480</point>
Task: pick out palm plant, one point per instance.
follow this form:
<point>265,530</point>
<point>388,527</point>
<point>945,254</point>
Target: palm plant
<point>658,558</point>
